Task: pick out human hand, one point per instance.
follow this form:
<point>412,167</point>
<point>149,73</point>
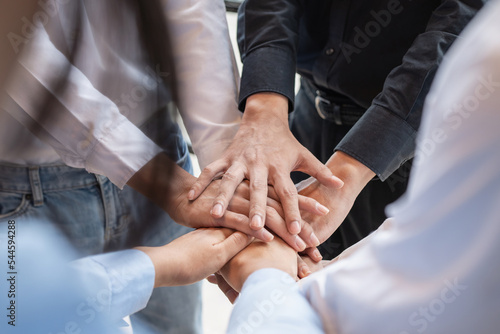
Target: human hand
<point>339,201</point>
<point>195,255</point>
<point>230,293</point>
<point>167,184</point>
<point>306,265</point>
<point>196,214</point>
<point>259,255</point>
<point>264,151</point>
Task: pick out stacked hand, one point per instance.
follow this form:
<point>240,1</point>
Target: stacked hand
<point>170,191</point>
<point>263,151</point>
<point>195,255</point>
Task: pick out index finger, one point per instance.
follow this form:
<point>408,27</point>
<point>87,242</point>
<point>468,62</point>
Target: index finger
<point>206,177</point>
<point>230,181</point>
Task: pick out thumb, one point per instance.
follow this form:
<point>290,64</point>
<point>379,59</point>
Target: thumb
<point>233,244</point>
<point>312,166</point>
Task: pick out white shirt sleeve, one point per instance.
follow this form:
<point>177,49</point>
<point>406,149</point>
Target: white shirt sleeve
<point>120,283</point>
<point>433,267</point>
<point>270,302</point>
<point>207,74</point>
<point>84,127</point>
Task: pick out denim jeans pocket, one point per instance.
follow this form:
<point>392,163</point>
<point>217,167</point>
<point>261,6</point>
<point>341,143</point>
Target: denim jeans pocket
<point>12,204</point>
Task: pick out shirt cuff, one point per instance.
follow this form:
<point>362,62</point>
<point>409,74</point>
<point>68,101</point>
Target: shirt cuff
<point>380,140</point>
<point>269,302</point>
<point>260,74</point>
<point>276,276</point>
<point>121,153</point>
<point>130,276</point>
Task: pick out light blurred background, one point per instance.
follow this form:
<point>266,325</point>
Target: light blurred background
<point>216,307</point>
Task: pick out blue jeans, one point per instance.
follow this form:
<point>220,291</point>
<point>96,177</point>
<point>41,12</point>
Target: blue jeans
<point>97,217</point>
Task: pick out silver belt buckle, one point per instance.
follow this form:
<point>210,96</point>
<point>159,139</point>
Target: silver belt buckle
<point>336,110</point>
<point>317,100</point>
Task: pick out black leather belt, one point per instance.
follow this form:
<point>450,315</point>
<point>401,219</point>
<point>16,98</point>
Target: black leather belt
<point>336,109</point>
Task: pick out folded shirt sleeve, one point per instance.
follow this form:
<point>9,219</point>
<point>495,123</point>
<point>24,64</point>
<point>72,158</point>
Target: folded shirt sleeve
<point>84,126</point>
<point>271,302</point>
<point>384,138</point>
<point>208,77</point>
<point>121,282</point>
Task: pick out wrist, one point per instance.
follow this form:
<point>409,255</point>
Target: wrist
<point>265,105</point>
<point>162,181</point>
<point>160,264</point>
<point>354,173</point>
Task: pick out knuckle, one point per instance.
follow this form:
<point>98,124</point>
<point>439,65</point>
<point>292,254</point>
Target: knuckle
<point>258,184</point>
<point>239,238</point>
<point>271,212</point>
<point>239,220</point>
<point>208,170</point>
<point>229,176</point>
<point>256,209</point>
<point>289,192</point>
<point>222,198</point>
<point>251,155</point>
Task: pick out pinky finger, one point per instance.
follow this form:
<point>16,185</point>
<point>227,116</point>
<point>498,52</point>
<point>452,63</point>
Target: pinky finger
<point>228,291</point>
<point>314,254</point>
<point>302,268</point>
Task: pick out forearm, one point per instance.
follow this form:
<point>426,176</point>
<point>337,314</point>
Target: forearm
<point>354,174</point>
<point>384,138</point>
<point>207,93</point>
<point>162,181</point>
<point>265,106</point>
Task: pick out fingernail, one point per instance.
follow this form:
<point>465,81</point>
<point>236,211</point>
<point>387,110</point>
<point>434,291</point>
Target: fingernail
<point>217,210</point>
<point>314,239</point>
<point>232,295</point>
<point>321,208</point>
<point>256,222</point>
<point>267,236</point>
<point>191,195</point>
<point>301,245</point>
<point>305,271</point>
<point>317,254</point>
<point>339,181</point>
<point>294,227</point>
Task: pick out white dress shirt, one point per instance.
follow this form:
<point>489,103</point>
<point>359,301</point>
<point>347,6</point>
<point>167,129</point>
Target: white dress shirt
<point>433,267</point>
<point>113,89</point>
<point>123,281</point>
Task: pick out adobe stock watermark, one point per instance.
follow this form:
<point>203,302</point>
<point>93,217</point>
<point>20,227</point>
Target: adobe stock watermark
<point>363,37</point>
<point>48,9</point>
<point>95,307</point>
<point>452,121</point>
<point>264,309</point>
<point>150,81</point>
<point>425,315</point>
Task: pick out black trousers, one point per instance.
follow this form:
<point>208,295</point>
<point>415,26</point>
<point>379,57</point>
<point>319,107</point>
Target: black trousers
<point>368,212</point>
